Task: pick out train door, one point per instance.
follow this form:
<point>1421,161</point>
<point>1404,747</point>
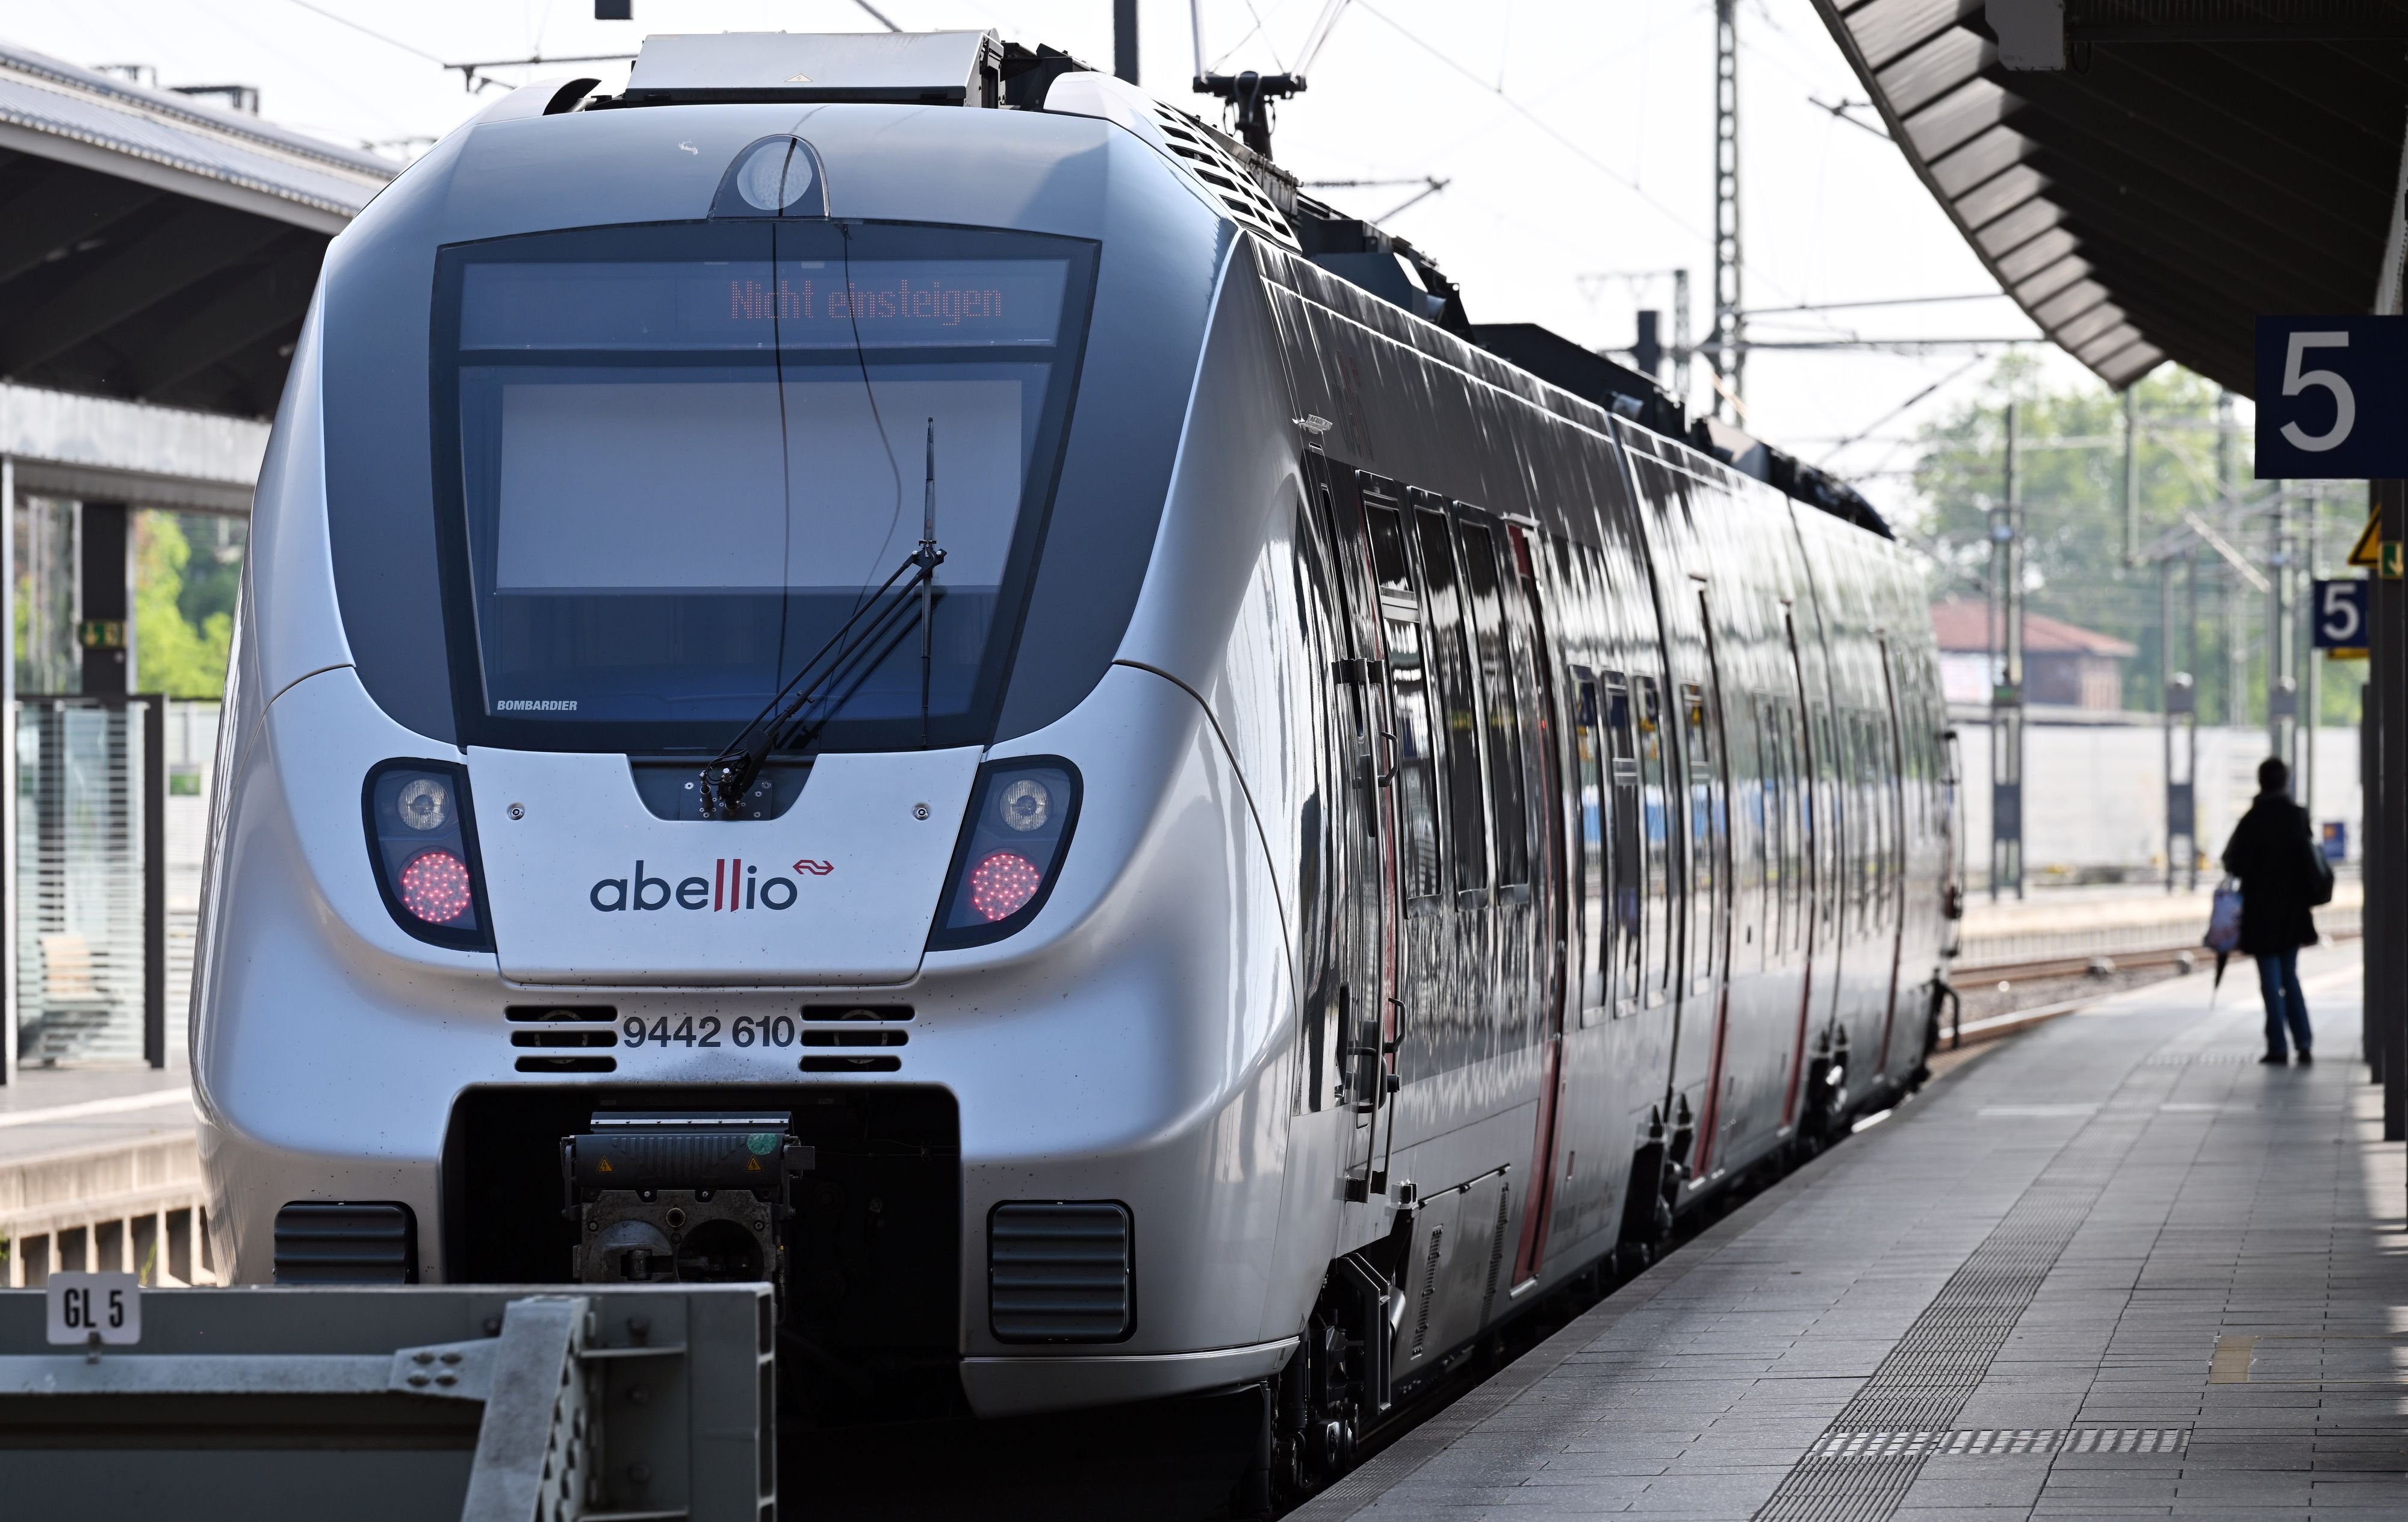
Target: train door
<point>1708,937</point>
<point>1550,872</point>
<point>1364,864</point>
<point>1404,705</point>
<point>1830,800</point>
<point>1805,890</point>
<point>1893,814</point>
<point>1635,877</point>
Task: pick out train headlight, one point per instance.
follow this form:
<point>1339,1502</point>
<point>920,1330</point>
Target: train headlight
<point>422,848</point>
<point>1023,804</point>
<point>776,177</point>
<point>425,803</point>
<point>1021,814</point>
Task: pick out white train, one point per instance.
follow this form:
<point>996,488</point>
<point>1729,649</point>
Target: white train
<point>885,664</point>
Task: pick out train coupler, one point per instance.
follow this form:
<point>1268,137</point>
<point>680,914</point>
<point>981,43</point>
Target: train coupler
<point>682,1197</point>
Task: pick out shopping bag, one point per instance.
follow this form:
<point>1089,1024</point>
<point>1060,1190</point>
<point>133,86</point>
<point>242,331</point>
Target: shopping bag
<point>2224,918</point>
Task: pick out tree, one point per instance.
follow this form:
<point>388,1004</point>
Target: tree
<point>172,655</point>
<point>2070,461</point>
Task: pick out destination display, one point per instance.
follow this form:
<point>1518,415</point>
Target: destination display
<point>762,305</point>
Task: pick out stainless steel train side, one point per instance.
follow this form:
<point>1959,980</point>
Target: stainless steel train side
<point>1496,827</point>
<point>1677,904</point>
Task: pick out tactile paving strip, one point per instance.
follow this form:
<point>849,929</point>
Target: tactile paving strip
<point>1934,1368</point>
<point>2003,1443</point>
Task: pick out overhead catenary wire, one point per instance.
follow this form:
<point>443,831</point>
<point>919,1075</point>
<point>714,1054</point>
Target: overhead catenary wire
<point>368,32</point>
<point>1318,37</point>
<point>1843,108</point>
<point>1899,409</point>
<point>473,75</point>
<point>1568,143</point>
<point>1884,301</point>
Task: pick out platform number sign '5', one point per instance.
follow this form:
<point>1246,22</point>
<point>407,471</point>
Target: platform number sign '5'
<point>87,1308</point>
<point>2341,615</point>
<point>2332,398</point>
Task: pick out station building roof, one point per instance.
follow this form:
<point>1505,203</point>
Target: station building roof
<point>155,249</point>
<point>2191,167</point>
<point>1963,625</point>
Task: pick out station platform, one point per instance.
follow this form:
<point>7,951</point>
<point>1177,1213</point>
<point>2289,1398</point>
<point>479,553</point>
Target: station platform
<point>100,1168</point>
<point>2111,920</point>
<point>2111,1266</point>
<point>55,1108</point>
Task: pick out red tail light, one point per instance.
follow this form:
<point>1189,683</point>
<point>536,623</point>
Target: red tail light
<point>1021,814</point>
<point>434,887</point>
<point>422,848</point>
<point>1002,884</point>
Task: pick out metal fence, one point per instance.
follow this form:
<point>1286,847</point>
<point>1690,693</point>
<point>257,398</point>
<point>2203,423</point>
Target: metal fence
<point>90,929</point>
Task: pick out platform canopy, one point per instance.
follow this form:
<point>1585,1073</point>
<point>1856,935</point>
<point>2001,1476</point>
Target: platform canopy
<point>2192,164</point>
<point>155,249</point>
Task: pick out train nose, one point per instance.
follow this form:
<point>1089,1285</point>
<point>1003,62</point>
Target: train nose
<point>586,885</point>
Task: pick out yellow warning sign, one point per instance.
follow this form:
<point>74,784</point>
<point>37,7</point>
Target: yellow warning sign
<point>604,1167</point>
<point>2365,552</point>
<point>751,1165</point>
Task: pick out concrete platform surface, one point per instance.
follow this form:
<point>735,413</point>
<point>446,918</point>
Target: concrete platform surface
<point>53,1110</point>
<point>2111,1268</point>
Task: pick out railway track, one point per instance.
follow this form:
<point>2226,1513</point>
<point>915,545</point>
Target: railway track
<point>2095,965</point>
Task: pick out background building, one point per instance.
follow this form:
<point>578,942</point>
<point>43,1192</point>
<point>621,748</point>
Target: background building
<point>2064,665</point>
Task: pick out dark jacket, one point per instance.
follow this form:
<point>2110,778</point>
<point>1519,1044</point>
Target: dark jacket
<point>2269,853</point>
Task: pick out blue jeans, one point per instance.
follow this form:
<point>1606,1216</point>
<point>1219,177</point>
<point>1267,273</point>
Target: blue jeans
<point>2278,980</point>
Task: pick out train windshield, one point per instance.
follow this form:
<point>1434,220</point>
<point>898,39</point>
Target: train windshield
<point>687,455</point>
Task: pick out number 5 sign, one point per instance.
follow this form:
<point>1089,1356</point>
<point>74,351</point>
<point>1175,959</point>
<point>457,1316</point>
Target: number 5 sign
<point>2341,618</point>
<point>2332,398</point>
<point>85,1306</point>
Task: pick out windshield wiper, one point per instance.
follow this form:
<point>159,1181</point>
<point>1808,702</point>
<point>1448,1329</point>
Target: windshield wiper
<point>780,724</point>
<point>929,559</point>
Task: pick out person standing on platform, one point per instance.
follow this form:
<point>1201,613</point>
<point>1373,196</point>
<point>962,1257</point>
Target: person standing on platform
<point>2283,876</point>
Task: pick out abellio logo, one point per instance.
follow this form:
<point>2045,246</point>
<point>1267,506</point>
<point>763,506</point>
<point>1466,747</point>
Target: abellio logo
<point>732,886</point>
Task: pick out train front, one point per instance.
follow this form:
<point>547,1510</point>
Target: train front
<point>679,815</point>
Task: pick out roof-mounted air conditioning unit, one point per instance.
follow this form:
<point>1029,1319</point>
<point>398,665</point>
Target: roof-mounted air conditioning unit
<point>911,69</point>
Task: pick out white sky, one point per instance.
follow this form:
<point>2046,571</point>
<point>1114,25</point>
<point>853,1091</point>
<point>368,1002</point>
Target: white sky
<point>1576,135</point>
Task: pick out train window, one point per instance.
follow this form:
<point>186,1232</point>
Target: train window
<point>1893,821</point>
<point>1865,834</point>
<point>1800,798</point>
<point>1625,936</point>
<point>1771,834</point>
<point>1508,814</point>
<point>1873,837</point>
<point>1415,756</point>
<point>1588,908</point>
<point>1830,772</point>
<point>1415,762</point>
<point>1705,834</point>
<point>1656,813</point>
<point>1334,711</point>
<point>605,389</point>
<point>1388,561</point>
<point>1450,658</point>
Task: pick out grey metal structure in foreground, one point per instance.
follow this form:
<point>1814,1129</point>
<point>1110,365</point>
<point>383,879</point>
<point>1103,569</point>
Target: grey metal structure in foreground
<point>489,1403</point>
